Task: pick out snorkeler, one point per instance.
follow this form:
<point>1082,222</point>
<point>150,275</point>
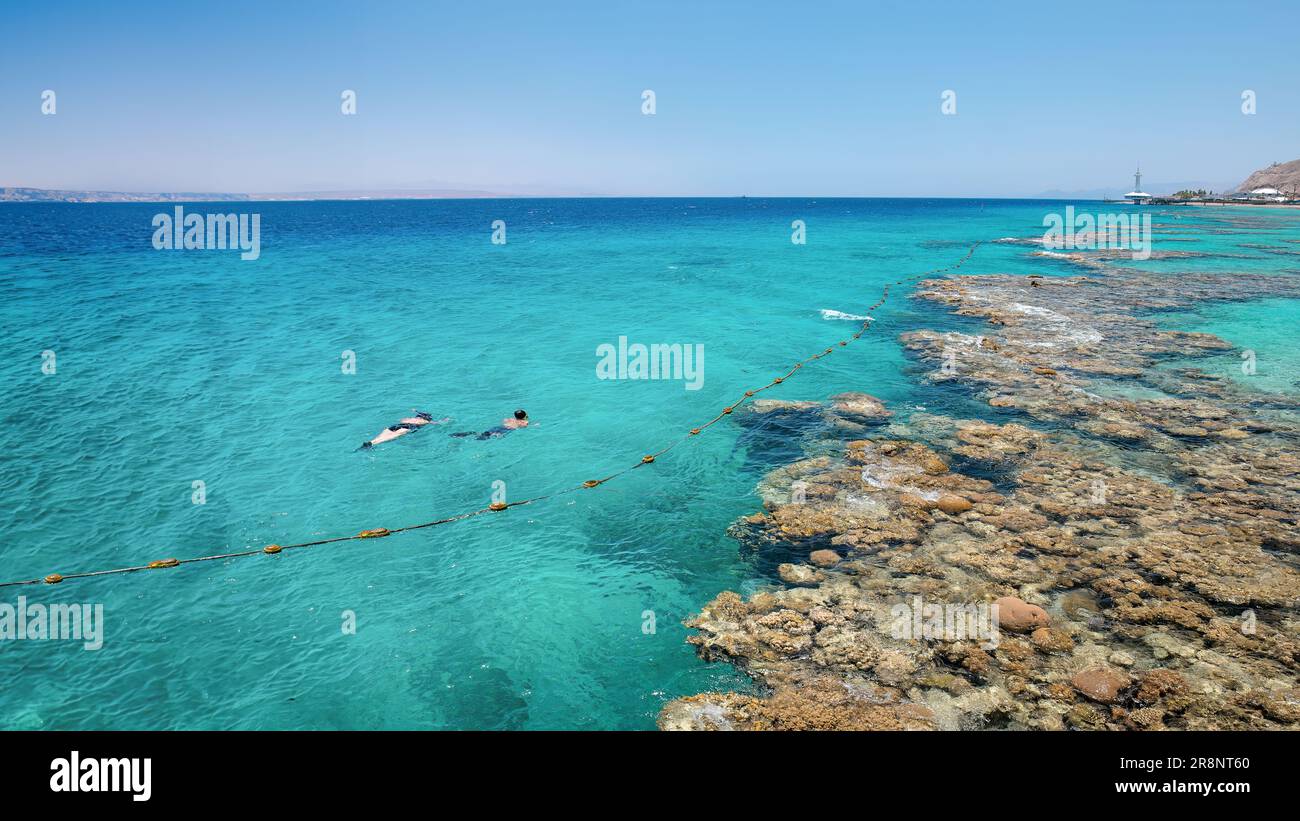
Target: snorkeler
<point>405,426</point>
<point>520,420</point>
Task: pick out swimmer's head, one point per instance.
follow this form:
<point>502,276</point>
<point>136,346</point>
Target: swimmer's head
<point>519,414</point>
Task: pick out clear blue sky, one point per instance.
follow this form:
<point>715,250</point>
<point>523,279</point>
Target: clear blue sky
<point>755,97</point>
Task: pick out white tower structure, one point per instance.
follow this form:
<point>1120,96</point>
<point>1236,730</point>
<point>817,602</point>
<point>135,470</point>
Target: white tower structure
<point>1137,195</point>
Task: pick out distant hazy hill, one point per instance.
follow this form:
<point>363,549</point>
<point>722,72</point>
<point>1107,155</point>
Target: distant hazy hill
<point>1115,192</point>
<point>1284,177</point>
<point>44,195</point>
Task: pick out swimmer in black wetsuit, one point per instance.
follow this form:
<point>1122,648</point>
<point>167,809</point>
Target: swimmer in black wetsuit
<point>520,420</point>
<point>405,426</point>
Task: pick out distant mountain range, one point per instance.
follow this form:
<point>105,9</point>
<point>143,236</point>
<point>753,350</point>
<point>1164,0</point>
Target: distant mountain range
<point>1115,193</point>
<point>46,195</point>
<point>43,195</point>
<point>1283,176</point>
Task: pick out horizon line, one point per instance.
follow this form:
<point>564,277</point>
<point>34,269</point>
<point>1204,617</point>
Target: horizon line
<point>394,195</point>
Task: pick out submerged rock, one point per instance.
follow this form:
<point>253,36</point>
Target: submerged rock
<point>1101,684</point>
<point>843,414</point>
<point>953,505</point>
<point>858,407</point>
<point>1019,617</point>
<point>824,558</point>
<point>1052,641</point>
<point>798,574</point>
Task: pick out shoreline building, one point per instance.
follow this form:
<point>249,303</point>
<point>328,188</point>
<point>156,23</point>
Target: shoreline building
<point>1267,194</point>
<point>1137,196</point>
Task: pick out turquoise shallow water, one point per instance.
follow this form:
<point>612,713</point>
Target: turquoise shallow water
<point>1264,332</point>
<point>174,367</point>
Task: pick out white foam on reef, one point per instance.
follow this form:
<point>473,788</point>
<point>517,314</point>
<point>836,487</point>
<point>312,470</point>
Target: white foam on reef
<point>1035,310</point>
<point>1071,336</point>
<point>1087,336</point>
<point>889,477</point>
<point>956,339</point>
<point>885,477</point>
<point>828,313</point>
<point>715,714</point>
<point>865,505</point>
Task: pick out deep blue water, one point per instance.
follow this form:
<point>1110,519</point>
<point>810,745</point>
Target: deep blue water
<point>181,366</point>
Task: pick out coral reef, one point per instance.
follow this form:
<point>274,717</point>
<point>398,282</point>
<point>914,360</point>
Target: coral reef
<point>1135,525</point>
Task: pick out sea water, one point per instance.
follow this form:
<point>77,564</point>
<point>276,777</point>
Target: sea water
<point>138,382</point>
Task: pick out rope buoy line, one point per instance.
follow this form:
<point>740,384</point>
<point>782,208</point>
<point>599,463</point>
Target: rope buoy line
<point>497,507</point>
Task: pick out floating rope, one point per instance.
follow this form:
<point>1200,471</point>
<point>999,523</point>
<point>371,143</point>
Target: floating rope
<point>381,532</point>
